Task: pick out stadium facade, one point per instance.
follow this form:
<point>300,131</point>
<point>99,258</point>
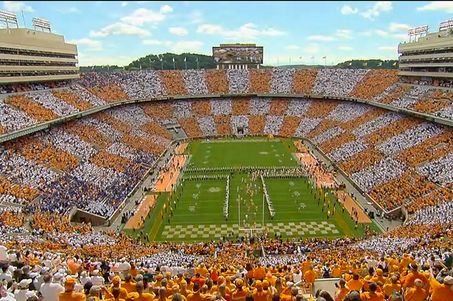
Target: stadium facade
<point>29,55</point>
<point>428,57</point>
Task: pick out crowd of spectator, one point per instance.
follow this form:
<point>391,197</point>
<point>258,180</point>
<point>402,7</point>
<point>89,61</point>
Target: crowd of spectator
<point>81,263</point>
<point>94,89</point>
<point>95,162</point>
<point>337,82</point>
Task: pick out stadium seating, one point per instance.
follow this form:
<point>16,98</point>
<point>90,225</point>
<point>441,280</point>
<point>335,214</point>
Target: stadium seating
<point>94,162</point>
<point>40,104</point>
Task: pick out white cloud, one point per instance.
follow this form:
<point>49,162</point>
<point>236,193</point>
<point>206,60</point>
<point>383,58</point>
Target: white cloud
<point>321,38</point>
<point>345,48</point>
<point>339,34</point>
<point>178,31</point>
<point>347,10</point>
<point>399,27</point>
<point>186,46</point>
<point>292,47</point>
<point>195,17</point>
<point>210,29</point>
<point>68,10</point>
<point>344,33</point>
<point>143,16</point>
<point>388,48</point>
<point>311,48</point>
<point>91,60</point>
<point>443,6</point>
<point>176,47</point>
<point>378,8</point>
<point>248,31</point>
<point>165,9</point>
<point>17,6</point>
<point>120,29</point>
<point>90,43</point>
<point>392,33</point>
<point>152,42</point>
<point>381,33</point>
<point>400,36</point>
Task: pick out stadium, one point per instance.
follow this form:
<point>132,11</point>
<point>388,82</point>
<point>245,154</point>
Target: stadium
<point>236,182</point>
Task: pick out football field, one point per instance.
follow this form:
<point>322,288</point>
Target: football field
<point>231,188</point>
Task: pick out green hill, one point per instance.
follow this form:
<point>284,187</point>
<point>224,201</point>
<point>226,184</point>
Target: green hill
<point>165,62</point>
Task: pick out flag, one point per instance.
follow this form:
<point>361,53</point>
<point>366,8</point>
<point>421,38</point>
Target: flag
<point>365,64</point>
<point>324,57</point>
<point>161,59</point>
<point>380,64</point>
<point>350,64</point>
<point>185,59</point>
<point>394,64</point>
<point>173,60</point>
<point>140,67</point>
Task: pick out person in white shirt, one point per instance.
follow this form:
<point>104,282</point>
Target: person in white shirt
<point>5,275</point>
<point>22,293</point>
<point>50,290</point>
<point>5,295</point>
<point>3,254</point>
<point>96,279</point>
<point>84,278</point>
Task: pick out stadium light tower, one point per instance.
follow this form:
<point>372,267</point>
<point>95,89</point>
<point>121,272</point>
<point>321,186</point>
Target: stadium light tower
<point>417,32</point>
<point>42,24</point>
<point>8,19</point>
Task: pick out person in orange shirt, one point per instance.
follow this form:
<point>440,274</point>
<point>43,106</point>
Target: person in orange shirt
<point>157,283</point>
<point>259,294</point>
<point>355,284</point>
<point>223,293</point>
<point>116,283</point>
<point>310,276</point>
<point>183,289</point>
<point>139,295</point>
<point>214,275</point>
<point>342,291</point>
<point>133,271</point>
<point>198,279</point>
<point>393,287</point>
<point>379,277</point>
<point>115,295</point>
<point>73,266</point>
<point>442,292</point>
<point>129,284</point>
<point>259,273</point>
<point>162,292</point>
<point>202,270</point>
<point>69,294</point>
<point>270,278</point>
<point>416,293</point>
<point>414,274</point>
<point>405,262</point>
<point>372,295</point>
<point>195,295</point>
<point>336,271</point>
<point>240,293</point>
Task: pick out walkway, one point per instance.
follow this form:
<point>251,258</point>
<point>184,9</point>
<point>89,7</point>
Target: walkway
<point>140,214</point>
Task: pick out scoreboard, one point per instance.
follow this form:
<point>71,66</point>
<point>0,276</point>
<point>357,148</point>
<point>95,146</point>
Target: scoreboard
<point>238,54</point>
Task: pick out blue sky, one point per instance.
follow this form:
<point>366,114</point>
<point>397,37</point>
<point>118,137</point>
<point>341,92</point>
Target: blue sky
<point>119,32</point>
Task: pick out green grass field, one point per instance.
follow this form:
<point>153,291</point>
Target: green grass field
<point>194,211</point>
